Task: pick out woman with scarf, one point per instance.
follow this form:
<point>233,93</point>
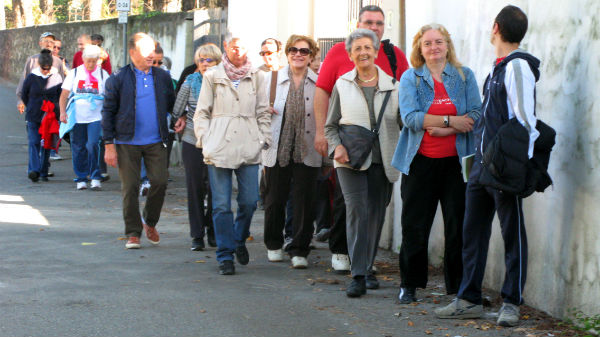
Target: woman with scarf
<point>292,162</point>
<point>232,126</point>
<point>196,172</point>
<point>41,90</point>
<point>80,113</point>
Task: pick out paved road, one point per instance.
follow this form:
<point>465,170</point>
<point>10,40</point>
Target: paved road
<point>64,271</point>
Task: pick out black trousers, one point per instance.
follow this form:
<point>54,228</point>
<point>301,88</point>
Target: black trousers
<point>337,240</point>
<point>323,200</point>
<point>431,180</point>
<point>278,181</point>
<point>198,188</point>
<point>482,203</point>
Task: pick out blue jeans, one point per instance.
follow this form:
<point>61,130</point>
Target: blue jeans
<point>230,234</point>
<point>143,172</point>
<point>38,156</point>
<point>85,149</point>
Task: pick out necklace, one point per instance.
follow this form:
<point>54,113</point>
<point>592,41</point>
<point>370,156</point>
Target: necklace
<point>366,81</point>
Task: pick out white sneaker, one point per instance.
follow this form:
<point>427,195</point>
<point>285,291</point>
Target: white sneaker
<point>275,255</point>
<point>508,315</point>
<point>96,185</point>
<point>299,262</point>
<point>340,263</point>
<point>55,156</point>
<point>82,185</point>
<point>144,188</point>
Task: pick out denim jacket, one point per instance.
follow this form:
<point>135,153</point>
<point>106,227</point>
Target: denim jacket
<point>415,100</point>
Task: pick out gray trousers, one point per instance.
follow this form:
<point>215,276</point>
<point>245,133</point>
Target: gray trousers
<point>367,195</point>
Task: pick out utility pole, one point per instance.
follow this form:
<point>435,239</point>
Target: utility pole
<point>123,7</point>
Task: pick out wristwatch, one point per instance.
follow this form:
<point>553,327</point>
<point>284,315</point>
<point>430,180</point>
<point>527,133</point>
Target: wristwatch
<point>446,121</point>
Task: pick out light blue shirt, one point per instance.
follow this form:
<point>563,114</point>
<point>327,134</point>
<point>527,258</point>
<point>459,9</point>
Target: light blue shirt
<point>146,120</point>
<point>415,97</point>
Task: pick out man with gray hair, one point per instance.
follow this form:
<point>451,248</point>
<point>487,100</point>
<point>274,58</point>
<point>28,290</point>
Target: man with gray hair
<point>391,60</point>
<point>232,126</point>
<point>46,42</point>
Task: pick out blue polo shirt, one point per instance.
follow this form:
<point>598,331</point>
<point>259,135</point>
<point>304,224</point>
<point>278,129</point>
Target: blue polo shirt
<point>146,121</point>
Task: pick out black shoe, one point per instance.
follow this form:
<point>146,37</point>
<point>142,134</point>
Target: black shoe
<point>50,174</point>
<point>407,295</point>
<point>44,178</point>
<point>226,268</point>
<point>104,177</point>
<point>241,253</point>
<point>357,288</point>
<point>34,176</point>
<point>371,282</point>
<point>197,245</point>
<point>210,238</point>
<point>323,235</point>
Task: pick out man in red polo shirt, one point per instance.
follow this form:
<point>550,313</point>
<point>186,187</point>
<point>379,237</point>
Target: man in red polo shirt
<point>336,64</point>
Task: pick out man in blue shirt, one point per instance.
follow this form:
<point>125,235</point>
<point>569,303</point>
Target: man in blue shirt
<point>134,123</point>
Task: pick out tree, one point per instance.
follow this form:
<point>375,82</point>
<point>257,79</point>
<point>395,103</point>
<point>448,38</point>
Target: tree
<point>2,17</point>
<point>27,6</point>
<point>47,8</point>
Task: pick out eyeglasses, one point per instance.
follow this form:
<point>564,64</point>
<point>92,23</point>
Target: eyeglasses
<point>157,62</point>
<point>371,22</point>
<point>208,60</point>
<point>56,47</point>
<point>302,51</point>
<point>266,53</point>
<point>46,68</point>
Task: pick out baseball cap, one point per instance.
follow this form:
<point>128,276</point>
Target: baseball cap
<point>46,34</point>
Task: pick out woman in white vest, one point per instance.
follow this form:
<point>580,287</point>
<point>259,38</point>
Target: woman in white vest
<point>292,161</point>
<point>358,98</point>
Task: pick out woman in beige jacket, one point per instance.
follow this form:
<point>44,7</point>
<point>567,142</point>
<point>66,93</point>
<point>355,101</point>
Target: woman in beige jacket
<point>232,126</point>
<point>357,99</point>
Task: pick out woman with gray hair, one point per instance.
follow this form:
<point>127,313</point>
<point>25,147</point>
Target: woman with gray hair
<point>362,100</point>
<point>196,172</point>
<point>80,113</point>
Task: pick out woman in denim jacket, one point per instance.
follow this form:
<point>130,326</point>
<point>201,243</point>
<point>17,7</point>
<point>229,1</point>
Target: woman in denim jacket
<point>439,103</point>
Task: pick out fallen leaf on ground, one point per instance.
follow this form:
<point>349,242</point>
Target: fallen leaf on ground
<point>88,243</point>
<point>41,229</point>
<point>332,329</point>
<point>202,311</point>
<point>200,261</point>
<point>410,323</point>
<point>428,332</point>
<point>121,238</point>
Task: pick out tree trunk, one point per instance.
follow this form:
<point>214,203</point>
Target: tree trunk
<point>47,8</point>
<point>2,17</point>
<point>95,9</point>
<point>17,13</point>
<point>158,5</point>
<point>188,5</point>
<point>27,7</point>
<point>147,6</point>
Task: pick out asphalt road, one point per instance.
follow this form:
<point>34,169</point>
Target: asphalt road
<point>64,270</point>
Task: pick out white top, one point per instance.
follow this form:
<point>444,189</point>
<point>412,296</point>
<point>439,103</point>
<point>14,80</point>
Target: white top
<point>83,111</point>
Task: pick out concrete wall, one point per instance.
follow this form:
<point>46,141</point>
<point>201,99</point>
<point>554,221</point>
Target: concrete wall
<point>563,223</point>
<point>172,30</point>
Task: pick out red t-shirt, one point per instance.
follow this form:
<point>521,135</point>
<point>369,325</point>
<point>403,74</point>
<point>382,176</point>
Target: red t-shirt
<point>337,63</point>
<point>439,147</point>
<point>78,60</point>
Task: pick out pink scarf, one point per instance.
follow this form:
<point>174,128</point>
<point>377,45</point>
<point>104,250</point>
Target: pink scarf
<point>90,78</point>
<point>234,73</point>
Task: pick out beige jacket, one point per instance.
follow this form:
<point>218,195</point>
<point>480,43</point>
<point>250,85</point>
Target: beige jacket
<point>232,125</point>
<point>354,111</point>
<point>269,156</point>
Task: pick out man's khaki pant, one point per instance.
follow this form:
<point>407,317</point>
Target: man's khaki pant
<point>129,158</point>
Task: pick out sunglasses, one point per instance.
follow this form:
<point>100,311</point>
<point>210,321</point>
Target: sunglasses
<point>208,60</point>
<point>59,48</point>
<point>302,51</point>
<point>159,63</point>
<point>266,53</point>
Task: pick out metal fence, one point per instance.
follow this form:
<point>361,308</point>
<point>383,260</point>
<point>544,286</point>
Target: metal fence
<point>326,43</point>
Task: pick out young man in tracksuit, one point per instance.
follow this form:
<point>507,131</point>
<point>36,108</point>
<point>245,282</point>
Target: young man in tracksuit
<point>509,92</point>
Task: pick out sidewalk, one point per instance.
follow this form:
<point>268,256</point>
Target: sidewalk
<point>64,271</point>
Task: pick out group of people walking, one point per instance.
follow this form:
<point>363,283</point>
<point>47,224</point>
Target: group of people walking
<point>363,111</point>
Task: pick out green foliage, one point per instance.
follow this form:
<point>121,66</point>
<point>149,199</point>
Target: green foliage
<point>150,14</point>
<point>583,322</point>
<point>61,10</point>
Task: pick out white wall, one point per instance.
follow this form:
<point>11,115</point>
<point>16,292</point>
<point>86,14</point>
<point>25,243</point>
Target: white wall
<point>563,223</point>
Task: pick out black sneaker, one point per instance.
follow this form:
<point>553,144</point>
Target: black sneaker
<point>241,253</point>
<point>44,178</point>
<point>371,282</point>
<point>34,176</point>
<point>226,268</point>
<point>357,288</point>
<point>104,177</point>
<point>407,295</point>
<point>197,245</point>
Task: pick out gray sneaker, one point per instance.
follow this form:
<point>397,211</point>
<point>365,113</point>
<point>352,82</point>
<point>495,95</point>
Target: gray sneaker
<point>508,315</point>
<point>459,309</point>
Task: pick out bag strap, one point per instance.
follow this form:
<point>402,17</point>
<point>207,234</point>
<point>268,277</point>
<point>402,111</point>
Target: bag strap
<point>273,88</point>
<point>388,49</point>
<point>383,105</point>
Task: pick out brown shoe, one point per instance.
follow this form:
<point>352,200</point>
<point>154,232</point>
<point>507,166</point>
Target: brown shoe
<point>151,234</point>
<point>133,243</point>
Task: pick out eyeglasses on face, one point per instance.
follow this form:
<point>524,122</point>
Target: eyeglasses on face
<point>266,53</point>
<point>207,60</point>
<point>57,47</point>
<point>302,51</point>
<point>371,22</point>
<point>157,62</point>
<point>46,68</point>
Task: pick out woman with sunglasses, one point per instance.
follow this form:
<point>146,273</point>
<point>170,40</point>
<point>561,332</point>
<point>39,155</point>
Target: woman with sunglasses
<point>40,93</point>
<point>196,172</point>
<point>292,160</point>
<point>358,98</point>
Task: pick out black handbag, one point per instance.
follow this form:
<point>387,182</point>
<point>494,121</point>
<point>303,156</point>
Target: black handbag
<point>359,140</point>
